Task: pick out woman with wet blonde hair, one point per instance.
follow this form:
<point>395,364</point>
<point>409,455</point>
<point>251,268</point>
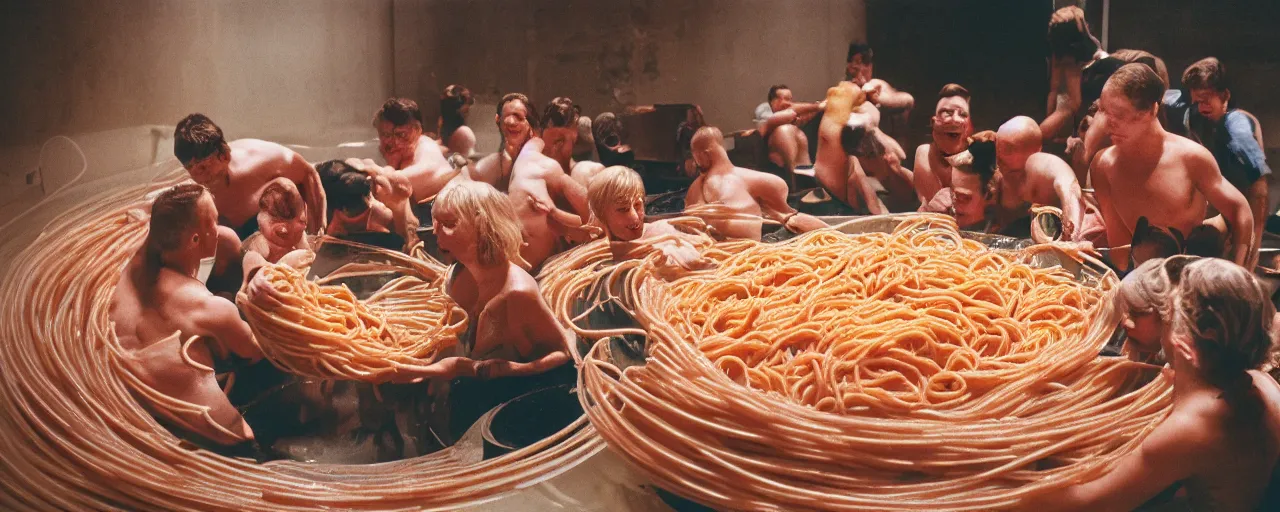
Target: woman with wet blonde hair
<point>1144,299</point>
<point>616,198</point>
<point>1222,439</point>
<point>512,330</point>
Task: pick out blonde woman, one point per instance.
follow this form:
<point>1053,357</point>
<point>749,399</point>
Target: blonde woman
<point>616,199</point>
<point>512,326</point>
<point>1222,439</point>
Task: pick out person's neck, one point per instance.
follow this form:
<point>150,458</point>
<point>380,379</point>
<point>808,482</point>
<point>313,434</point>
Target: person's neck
<point>180,263</point>
<point>1150,139</point>
<point>719,167</point>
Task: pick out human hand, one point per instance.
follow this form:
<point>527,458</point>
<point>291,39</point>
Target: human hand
<point>298,258</point>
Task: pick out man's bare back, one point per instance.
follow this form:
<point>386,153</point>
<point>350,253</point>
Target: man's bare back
<point>733,191</point>
<point>153,316</point>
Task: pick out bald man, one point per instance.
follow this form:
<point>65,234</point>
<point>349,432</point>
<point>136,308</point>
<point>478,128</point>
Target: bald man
<point>740,191</point>
<point>1030,176</point>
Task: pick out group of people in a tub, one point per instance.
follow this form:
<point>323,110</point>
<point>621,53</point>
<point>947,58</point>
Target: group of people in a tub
<point>502,216</point>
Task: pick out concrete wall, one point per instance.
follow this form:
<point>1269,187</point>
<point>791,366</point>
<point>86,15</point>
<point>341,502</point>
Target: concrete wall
<point>720,54</point>
<point>288,70</point>
<point>1241,33</point>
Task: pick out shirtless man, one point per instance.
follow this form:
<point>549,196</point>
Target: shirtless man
<point>740,191</point>
<point>951,128</point>
<point>1031,177</point>
<point>535,183</point>
<point>849,138</point>
<point>515,332</point>
<point>406,149</point>
<point>561,131</point>
<point>159,303</point>
<point>788,145</point>
<point>236,173</point>
<point>1151,173</point>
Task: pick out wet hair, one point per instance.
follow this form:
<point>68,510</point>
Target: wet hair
<point>1206,73</point>
<point>773,91</point>
<point>612,186</point>
<point>1069,35</point>
<point>398,112</point>
<point>1140,84</point>
<point>345,188</point>
<point>560,113</point>
<point>980,159</point>
<point>953,90</point>
<point>1227,315</point>
<point>197,138</point>
<point>1130,56</point>
<point>862,49</point>
<point>173,214</point>
<point>532,115</point>
<point>707,133</point>
<point>281,201</point>
<point>484,209</point>
<point>452,100</point>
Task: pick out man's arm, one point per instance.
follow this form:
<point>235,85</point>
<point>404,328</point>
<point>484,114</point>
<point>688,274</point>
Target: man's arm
<point>1259,197</point>
<point>1066,189</point>
<point>1227,200</point>
<point>1064,110</point>
<point>1117,234</point>
<point>560,184</point>
<point>312,192</point>
<point>219,319</point>
<point>925,181</point>
<point>771,193</point>
<point>887,97</point>
<point>1164,458</point>
<point>860,186</point>
<point>434,170</point>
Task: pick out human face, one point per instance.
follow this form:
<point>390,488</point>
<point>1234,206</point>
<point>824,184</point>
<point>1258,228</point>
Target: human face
<point>781,100</point>
<point>454,236</point>
<point>1118,118</point>
<point>560,143</point>
<point>951,126</point>
<point>281,232</point>
<point>514,123</point>
<point>211,171</point>
<point>859,71</point>
<point>969,198</point>
<point>1210,103</point>
<point>204,238</point>
<point>398,142</point>
<point>625,220</point>
<point>1144,329</point>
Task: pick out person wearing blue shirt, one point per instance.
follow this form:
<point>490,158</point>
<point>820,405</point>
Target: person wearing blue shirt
<point>1231,134</point>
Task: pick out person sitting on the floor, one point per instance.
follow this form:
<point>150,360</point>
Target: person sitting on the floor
<point>740,192</point>
<point>780,127</point>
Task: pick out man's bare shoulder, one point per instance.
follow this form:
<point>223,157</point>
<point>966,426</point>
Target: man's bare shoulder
<point>261,151</point>
<point>1186,149</point>
<point>179,295</point>
<point>521,284</point>
<point>1047,164</point>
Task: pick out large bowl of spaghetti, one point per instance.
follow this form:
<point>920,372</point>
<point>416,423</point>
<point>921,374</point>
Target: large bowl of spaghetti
<point>888,363</point>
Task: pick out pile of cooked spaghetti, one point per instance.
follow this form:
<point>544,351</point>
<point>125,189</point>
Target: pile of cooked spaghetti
<point>75,438</point>
<point>323,331</point>
<point>907,370</point>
